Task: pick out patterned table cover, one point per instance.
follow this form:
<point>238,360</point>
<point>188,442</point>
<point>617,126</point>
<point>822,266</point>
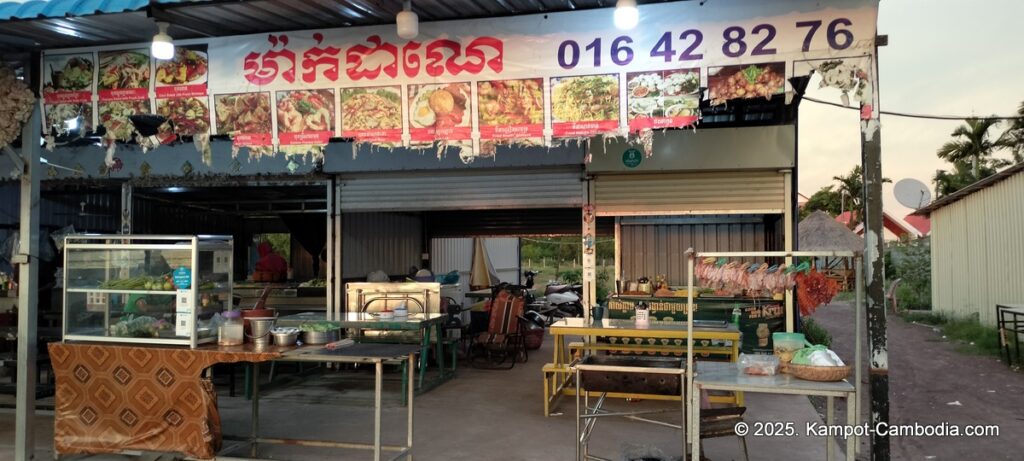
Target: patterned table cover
<point>114,398</point>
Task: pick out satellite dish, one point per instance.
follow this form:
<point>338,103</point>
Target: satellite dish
<point>912,193</point>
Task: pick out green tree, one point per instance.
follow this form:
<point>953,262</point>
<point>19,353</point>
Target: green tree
<point>974,143</point>
<point>960,176</point>
<point>851,186</point>
<point>825,199</point>
<point>1013,138</point>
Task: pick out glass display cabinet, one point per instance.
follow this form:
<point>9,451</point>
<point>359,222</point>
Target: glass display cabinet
<point>148,289</point>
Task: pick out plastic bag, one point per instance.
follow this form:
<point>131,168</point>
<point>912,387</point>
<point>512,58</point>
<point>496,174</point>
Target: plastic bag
<point>819,356</point>
<point>59,234</point>
<point>758,364</point>
<point>450,278</point>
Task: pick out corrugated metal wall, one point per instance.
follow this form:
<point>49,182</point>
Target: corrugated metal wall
<point>977,252</point>
<point>554,188</point>
<point>62,208</point>
<point>391,242</point>
<point>656,246</point>
<point>448,254</point>
<point>691,193</point>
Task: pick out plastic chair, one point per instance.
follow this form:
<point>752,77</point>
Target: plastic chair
<point>891,295</point>
<point>503,342</point>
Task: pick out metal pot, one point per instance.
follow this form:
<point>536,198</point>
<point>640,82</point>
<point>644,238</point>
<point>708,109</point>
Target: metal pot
<point>319,337</point>
<point>285,338</point>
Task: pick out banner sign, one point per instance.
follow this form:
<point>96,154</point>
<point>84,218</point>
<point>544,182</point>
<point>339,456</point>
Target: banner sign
<point>552,76</point>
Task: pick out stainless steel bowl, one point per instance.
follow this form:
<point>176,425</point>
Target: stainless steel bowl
<point>285,339</point>
<point>320,337</point>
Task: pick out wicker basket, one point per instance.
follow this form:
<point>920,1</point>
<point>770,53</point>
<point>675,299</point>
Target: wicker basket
<point>813,373</point>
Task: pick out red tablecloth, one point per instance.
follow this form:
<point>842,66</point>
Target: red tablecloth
<point>114,398</point>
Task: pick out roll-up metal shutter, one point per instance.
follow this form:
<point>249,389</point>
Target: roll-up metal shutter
<point>727,192</point>
<point>471,190</point>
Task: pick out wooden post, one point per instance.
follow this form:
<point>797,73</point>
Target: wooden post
<point>878,372</point>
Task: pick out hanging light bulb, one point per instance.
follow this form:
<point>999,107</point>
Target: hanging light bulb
<point>408,22</point>
<point>163,47</point>
<point>626,14</point>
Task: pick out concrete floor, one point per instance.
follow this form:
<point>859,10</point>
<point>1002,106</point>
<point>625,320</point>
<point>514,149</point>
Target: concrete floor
<point>480,415</point>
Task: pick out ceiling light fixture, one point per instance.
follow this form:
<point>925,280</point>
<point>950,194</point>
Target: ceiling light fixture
<point>408,22</point>
<point>163,47</point>
<point>626,14</point>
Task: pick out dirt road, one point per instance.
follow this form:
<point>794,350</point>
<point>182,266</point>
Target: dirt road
<point>932,382</point>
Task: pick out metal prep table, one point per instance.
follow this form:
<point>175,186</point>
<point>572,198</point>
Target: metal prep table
<point>726,377</point>
<point>378,355</point>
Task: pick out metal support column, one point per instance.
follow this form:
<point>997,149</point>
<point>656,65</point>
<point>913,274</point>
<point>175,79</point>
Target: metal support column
<point>336,255</point>
<point>589,251</point>
<point>126,208</point>
<point>871,151</point>
<point>28,291</point>
<point>788,239</point>
<point>331,299</point>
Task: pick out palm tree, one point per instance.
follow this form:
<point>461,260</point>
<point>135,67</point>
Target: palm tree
<point>971,142</point>
<point>852,185</point>
<point>1013,138</point>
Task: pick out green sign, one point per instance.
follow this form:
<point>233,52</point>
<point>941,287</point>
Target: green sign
<point>632,158</point>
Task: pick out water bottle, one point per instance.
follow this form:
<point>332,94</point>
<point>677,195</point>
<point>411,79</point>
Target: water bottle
<point>736,314</point>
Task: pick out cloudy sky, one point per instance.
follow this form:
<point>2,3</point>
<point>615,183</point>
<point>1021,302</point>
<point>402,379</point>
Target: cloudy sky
<point>944,57</point>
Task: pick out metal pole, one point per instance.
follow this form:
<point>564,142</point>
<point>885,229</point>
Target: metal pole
<point>377,389</point>
<point>788,239</point>
<point>28,291</point>
<point>858,309</point>
<point>871,151</point>
<point>690,315</point>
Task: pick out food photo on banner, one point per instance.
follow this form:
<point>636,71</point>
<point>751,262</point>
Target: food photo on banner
<point>305,119</point>
<point>246,118</point>
<point>663,99</point>
<point>584,106</point>
<point>440,113</point>
<point>510,112</point>
<point>123,90</point>
<point>372,115</point>
<point>67,92</point>
<point>181,96</point>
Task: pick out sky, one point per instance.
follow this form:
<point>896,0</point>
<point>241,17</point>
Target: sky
<point>944,57</point>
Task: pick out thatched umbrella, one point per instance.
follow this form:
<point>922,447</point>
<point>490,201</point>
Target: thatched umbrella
<point>821,232</point>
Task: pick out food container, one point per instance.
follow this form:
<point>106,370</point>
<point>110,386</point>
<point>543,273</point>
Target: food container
<point>387,315</point>
<point>230,333</point>
<point>758,364</point>
<point>401,312</point>
<point>824,374</point>
<point>320,337</point>
<point>285,336</point>
<point>784,345</point>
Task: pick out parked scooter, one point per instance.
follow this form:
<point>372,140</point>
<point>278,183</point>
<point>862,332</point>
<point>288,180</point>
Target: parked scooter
<point>560,300</point>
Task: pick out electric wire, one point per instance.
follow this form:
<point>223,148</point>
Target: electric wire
<point>921,116</point>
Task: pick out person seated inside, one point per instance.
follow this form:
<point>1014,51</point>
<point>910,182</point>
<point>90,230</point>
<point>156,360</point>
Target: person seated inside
<point>271,262</point>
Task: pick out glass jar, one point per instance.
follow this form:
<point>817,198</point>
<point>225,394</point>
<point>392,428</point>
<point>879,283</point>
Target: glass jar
<point>229,333</point>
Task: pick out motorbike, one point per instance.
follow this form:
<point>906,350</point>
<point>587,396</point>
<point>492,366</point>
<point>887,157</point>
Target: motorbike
<point>559,300</point>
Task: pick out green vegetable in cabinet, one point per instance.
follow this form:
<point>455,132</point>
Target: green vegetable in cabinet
<point>207,286</point>
<point>143,326</point>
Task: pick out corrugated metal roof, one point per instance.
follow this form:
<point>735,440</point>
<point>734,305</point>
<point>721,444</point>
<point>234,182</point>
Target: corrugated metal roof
<point>75,23</point>
<point>979,185</point>
<point>40,9</point>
